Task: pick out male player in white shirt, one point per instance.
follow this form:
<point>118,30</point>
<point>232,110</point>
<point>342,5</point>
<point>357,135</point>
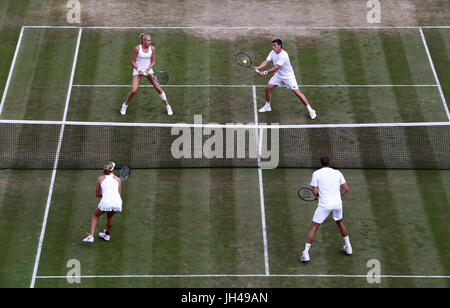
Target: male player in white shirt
<point>283,74</point>
<point>329,185</point>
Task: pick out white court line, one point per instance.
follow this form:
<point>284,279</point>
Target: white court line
<point>5,91</point>
<point>249,275</point>
<point>55,166</point>
<point>258,86</point>
<point>241,27</point>
<point>435,74</point>
<point>260,181</point>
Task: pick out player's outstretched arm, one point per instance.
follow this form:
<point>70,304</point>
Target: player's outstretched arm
<point>263,64</point>
<point>270,71</point>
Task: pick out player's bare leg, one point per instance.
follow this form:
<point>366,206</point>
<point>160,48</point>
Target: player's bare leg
<point>161,93</point>
<point>94,222</point>
<point>309,240</point>
<point>109,221</point>
<point>268,91</point>
<point>305,102</point>
<point>342,228</point>
<point>106,234</point>
<point>312,232</point>
<point>347,247</point>
<point>301,96</point>
<point>134,87</point>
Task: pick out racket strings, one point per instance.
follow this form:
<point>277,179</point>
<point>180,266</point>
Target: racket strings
<point>243,59</point>
<point>306,194</point>
<point>124,173</point>
<point>162,77</point>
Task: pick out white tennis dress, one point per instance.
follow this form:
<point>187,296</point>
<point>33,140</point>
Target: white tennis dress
<point>111,200</point>
<point>143,60</point>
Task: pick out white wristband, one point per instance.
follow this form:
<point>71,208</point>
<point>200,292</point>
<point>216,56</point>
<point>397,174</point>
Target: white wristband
<point>265,72</point>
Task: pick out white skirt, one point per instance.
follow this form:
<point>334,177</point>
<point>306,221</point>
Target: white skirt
<point>136,72</point>
<point>108,205</point>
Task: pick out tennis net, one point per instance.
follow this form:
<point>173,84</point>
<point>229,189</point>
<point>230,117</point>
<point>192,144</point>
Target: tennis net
<point>88,145</point>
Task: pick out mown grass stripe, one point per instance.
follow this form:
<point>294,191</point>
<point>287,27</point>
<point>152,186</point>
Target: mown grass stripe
<point>435,200</point>
<point>25,51</point>
<point>168,231</point>
<point>400,69</point>
<point>20,224</point>
<point>51,75</point>
<point>381,200</point>
<point>284,240</point>
<point>10,224</point>
<point>430,58</point>
<point>416,223</point>
<point>439,46</point>
<point>10,30</point>
<point>224,222</point>
<point>90,54</point>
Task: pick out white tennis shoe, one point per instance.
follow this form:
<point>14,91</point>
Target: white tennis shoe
<point>104,236</point>
<point>265,108</point>
<point>169,110</point>
<point>312,114</point>
<point>348,249</point>
<point>123,110</point>
<point>89,239</point>
<point>305,257</point>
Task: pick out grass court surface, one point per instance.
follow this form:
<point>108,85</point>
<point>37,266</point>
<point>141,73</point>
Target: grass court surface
<point>225,227</point>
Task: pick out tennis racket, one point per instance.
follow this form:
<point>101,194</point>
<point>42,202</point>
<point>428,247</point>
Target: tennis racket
<point>244,60</point>
<point>306,194</point>
<point>160,77</point>
<point>124,173</point>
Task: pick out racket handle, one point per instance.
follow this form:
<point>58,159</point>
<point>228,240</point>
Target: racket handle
<point>257,71</point>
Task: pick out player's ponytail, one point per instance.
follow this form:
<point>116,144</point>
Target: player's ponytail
<point>141,36</point>
<point>108,168</point>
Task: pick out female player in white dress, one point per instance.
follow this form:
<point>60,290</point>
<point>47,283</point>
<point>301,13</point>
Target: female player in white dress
<point>143,59</point>
<point>109,188</point>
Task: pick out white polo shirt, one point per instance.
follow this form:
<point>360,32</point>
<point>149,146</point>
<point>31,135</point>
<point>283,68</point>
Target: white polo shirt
<point>282,59</point>
<point>328,181</point>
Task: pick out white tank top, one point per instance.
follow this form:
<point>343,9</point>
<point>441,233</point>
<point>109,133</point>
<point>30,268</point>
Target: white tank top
<point>110,188</point>
<point>143,59</point>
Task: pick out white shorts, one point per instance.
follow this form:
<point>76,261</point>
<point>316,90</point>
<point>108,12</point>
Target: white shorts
<point>135,71</point>
<point>107,205</point>
<point>291,83</point>
<point>322,213</point>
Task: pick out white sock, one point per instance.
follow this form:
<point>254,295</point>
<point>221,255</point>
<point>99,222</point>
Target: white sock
<point>124,105</point>
<point>309,108</point>
<point>307,246</point>
<point>268,103</point>
<point>347,241</point>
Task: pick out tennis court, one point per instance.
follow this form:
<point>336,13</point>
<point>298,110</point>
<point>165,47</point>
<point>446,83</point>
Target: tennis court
<point>222,227</point>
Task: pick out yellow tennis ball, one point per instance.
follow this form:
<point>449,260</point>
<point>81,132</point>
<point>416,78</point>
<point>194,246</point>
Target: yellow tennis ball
<point>244,61</point>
